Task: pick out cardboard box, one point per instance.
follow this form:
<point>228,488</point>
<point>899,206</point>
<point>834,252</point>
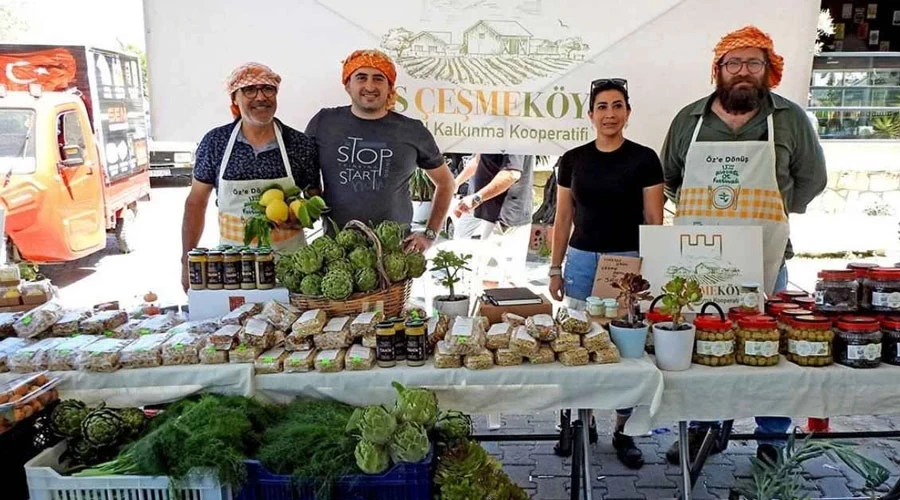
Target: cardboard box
<point>205,304</point>
<point>493,313</point>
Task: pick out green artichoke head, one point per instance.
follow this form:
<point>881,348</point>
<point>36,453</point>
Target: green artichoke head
<point>337,284</point>
<point>409,444</point>
<point>453,426</point>
<point>308,260</point>
<point>375,424</point>
<point>311,285</point>
<point>390,234</point>
<point>342,264</point>
<point>371,458</point>
<point>415,264</point>
<point>366,279</point>
<point>395,266</point>
<point>328,248</point>
<point>363,257</point>
<point>349,239</point>
<point>417,405</point>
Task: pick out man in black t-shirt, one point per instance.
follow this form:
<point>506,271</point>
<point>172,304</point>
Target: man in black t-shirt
<point>501,200</point>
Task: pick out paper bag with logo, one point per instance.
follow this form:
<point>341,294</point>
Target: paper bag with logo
<point>609,269</point>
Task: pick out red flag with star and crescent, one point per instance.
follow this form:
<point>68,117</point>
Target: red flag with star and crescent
<point>54,69</point>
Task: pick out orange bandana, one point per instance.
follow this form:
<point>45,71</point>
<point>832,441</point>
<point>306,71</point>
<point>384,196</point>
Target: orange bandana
<point>750,36</point>
<point>250,74</point>
<point>372,59</point>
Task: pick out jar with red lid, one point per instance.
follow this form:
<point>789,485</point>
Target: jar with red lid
<point>774,307</point>
<point>756,341</point>
<point>653,316</point>
<point>790,295</point>
<point>810,340</point>
<point>808,303</point>
<point>857,342</point>
<point>737,312</point>
<point>783,323</point>
<point>881,290</point>
<point>890,329</point>
<point>714,344</point>
<point>837,291</point>
<point>861,269</point>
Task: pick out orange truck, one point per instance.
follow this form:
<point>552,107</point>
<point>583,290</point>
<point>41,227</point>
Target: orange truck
<point>73,149</point>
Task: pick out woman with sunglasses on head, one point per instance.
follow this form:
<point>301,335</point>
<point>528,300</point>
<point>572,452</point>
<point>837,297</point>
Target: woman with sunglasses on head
<point>606,190</point>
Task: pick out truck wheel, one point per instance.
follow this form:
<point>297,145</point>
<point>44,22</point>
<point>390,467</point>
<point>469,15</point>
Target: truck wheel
<point>124,230</point>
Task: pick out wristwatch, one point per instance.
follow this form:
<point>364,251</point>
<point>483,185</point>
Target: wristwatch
<point>555,271</point>
<point>476,200</point>
<point>430,234</point>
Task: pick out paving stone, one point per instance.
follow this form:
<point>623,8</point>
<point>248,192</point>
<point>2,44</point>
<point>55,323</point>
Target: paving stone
<point>658,493</point>
<point>654,476</point>
<point>718,476</point>
<point>518,454</point>
<point>833,487</point>
<point>552,488</point>
<point>621,488</point>
<point>549,465</point>
<point>821,467</point>
<point>521,475</point>
<point>742,466</point>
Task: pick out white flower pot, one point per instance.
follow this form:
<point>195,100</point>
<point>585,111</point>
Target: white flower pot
<point>451,308</point>
<point>674,348</point>
<point>421,211</point>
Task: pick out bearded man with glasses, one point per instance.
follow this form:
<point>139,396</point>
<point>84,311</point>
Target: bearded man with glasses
<point>744,156</point>
<point>242,158</point>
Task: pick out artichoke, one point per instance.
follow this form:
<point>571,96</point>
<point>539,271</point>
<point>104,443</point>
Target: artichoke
<point>409,444</point>
<point>366,279</point>
<point>390,234</point>
<point>415,264</point>
<point>66,418</point>
<point>337,285</point>
<point>371,458</point>
<point>342,264</point>
<point>134,419</point>
<point>83,453</point>
<point>328,248</point>
<point>349,239</point>
<point>311,285</point>
<point>395,266</point>
<point>363,257</point>
<point>374,423</point>
<point>453,426</point>
<point>103,427</point>
<point>419,406</point>
<point>290,279</point>
<point>308,260</point>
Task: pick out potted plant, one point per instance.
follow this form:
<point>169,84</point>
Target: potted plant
<point>674,340</point>
<point>451,265</point>
<point>421,190</point>
<point>630,334</point>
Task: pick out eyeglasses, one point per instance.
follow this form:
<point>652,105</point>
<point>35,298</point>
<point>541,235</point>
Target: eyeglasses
<point>621,82</point>
<point>251,91</point>
<point>734,66</point>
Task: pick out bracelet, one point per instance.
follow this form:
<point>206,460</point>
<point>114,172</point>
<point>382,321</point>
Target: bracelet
<point>555,272</point>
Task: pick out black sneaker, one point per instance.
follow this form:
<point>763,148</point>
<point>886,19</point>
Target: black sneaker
<point>767,453</point>
<point>695,440</point>
<point>629,454</point>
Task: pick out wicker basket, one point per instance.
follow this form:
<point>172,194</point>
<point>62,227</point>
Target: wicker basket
<point>390,296</point>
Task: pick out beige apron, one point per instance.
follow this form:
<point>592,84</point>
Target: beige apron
<point>733,183</point>
<point>233,194</point>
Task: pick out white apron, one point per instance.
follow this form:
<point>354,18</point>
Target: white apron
<point>233,194</point>
<point>733,183</point>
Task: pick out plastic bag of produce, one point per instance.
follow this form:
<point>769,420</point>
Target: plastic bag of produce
<point>608,354</point>
<point>223,338</point>
<point>596,339</point>
<point>34,357</point>
<point>257,333</point>
<point>8,347</point>
<point>573,321</point>
<point>243,354</point>
<point>240,315</point>
<point>104,322</point>
<point>281,316</point>
<point>335,334</point>
<point>541,327</point>
<point>565,342</point>
<point>544,355</point>
<point>64,356</point>
<point>209,355</point>
<point>69,323</point>
<point>183,349</point>
<point>445,357</point>
<point>359,358</point>
<point>38,320</point>
<point>575,357</point>
<point>330,360</point>
<point>310,323</point>
<point>479,361</point>
<point>144,352</point>
<point>467,335</point>
<point>514,320</point>
<point>271,361</point>
<point>102,356</point>
<point>522,343</point>
<point>300,361</point>
<point>498,336</point>
<point>507,357</point>
<point>364,324</point>
<point>161,323</point>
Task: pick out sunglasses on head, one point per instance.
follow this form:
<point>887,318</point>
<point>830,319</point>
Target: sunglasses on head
<point>621,82</point>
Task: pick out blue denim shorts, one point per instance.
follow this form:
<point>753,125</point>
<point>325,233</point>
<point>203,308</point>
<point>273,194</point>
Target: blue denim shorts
<point>580,269</point>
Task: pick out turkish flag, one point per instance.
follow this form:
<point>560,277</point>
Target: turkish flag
<point>53,69</point>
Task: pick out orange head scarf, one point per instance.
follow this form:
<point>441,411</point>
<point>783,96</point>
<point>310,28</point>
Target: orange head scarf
<point>750,36</point>
<point>372,59</point>
<point>250,74</point>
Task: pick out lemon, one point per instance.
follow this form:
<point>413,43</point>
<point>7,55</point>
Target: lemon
<point>271,195</point>
<point>295,207</point>
<point>277,211</point>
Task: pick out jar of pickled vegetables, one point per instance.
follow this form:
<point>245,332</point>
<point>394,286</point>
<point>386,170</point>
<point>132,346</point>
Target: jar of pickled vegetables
<point>890,329</point>
<point>837,291</point>
<point>756,341</point>
<point>783,323</point>
<point>714,340</point>
<point>808,303</point>
<point>857,342</point>
<point>773,307</point>
<point>881,290</point>
<point>790,295</point>
<point>810,340</point>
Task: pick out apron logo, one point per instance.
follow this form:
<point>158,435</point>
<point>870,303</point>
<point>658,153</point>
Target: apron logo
<point>723,197</point>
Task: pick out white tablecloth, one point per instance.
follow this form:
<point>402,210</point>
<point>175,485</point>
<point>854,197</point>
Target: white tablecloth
<point>631,383</point>
<point>146,386</point>
<point>737,391</point>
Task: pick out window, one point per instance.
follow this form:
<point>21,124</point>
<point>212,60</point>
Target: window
<point>17,152</point>
<point>856,96</point>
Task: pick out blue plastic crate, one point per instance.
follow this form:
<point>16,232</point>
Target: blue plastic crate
<point>403,481</point>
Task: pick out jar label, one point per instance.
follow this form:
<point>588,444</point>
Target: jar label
<point>215,272</point>
<point>195,270</point>
<point>232,273</point>
<point>384,348</point>
<point>266,274</point>
<point>805,348</point>
<point>765,349</point>
<point>820,297</point>
<point>889,300</point>
<point>248,272</point>
<point>750,300</point>
<point>415,348</point>
<point>868,352</point>
<point>715,348</point>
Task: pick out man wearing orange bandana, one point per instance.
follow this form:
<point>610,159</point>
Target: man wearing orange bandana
<point>368,153</point>
<point>744,156</point>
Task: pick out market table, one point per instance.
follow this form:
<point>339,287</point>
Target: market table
<point>632,383</point>
<point>151,386</point>
<point>787,389</point>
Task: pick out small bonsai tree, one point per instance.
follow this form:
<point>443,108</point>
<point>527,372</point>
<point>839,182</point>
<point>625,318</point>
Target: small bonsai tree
<point>678,294</point>
<point>632,288</point>
<point>451,265</point>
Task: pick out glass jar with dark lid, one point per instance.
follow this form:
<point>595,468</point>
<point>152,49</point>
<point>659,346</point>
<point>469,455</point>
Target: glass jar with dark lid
<point>857,342</point>
<point>861,269</point>
<point>837,291</point>
<point>890,329</point>
<point>881,290</point>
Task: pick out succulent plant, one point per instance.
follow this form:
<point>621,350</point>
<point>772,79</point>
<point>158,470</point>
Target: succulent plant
<point>415,264</point>
<point>337,284</point>
<point>366,279</point>
<point>395,266</point>
<point>311,285</point>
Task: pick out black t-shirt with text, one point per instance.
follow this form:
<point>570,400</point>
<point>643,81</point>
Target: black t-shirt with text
<point>608,189</point>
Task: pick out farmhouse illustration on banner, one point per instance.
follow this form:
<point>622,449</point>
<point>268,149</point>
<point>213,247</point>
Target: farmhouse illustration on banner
<point>488,52</point>
<point>702,260</point>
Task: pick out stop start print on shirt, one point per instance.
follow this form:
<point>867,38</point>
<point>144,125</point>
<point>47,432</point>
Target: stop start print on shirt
<point>364,165</point>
